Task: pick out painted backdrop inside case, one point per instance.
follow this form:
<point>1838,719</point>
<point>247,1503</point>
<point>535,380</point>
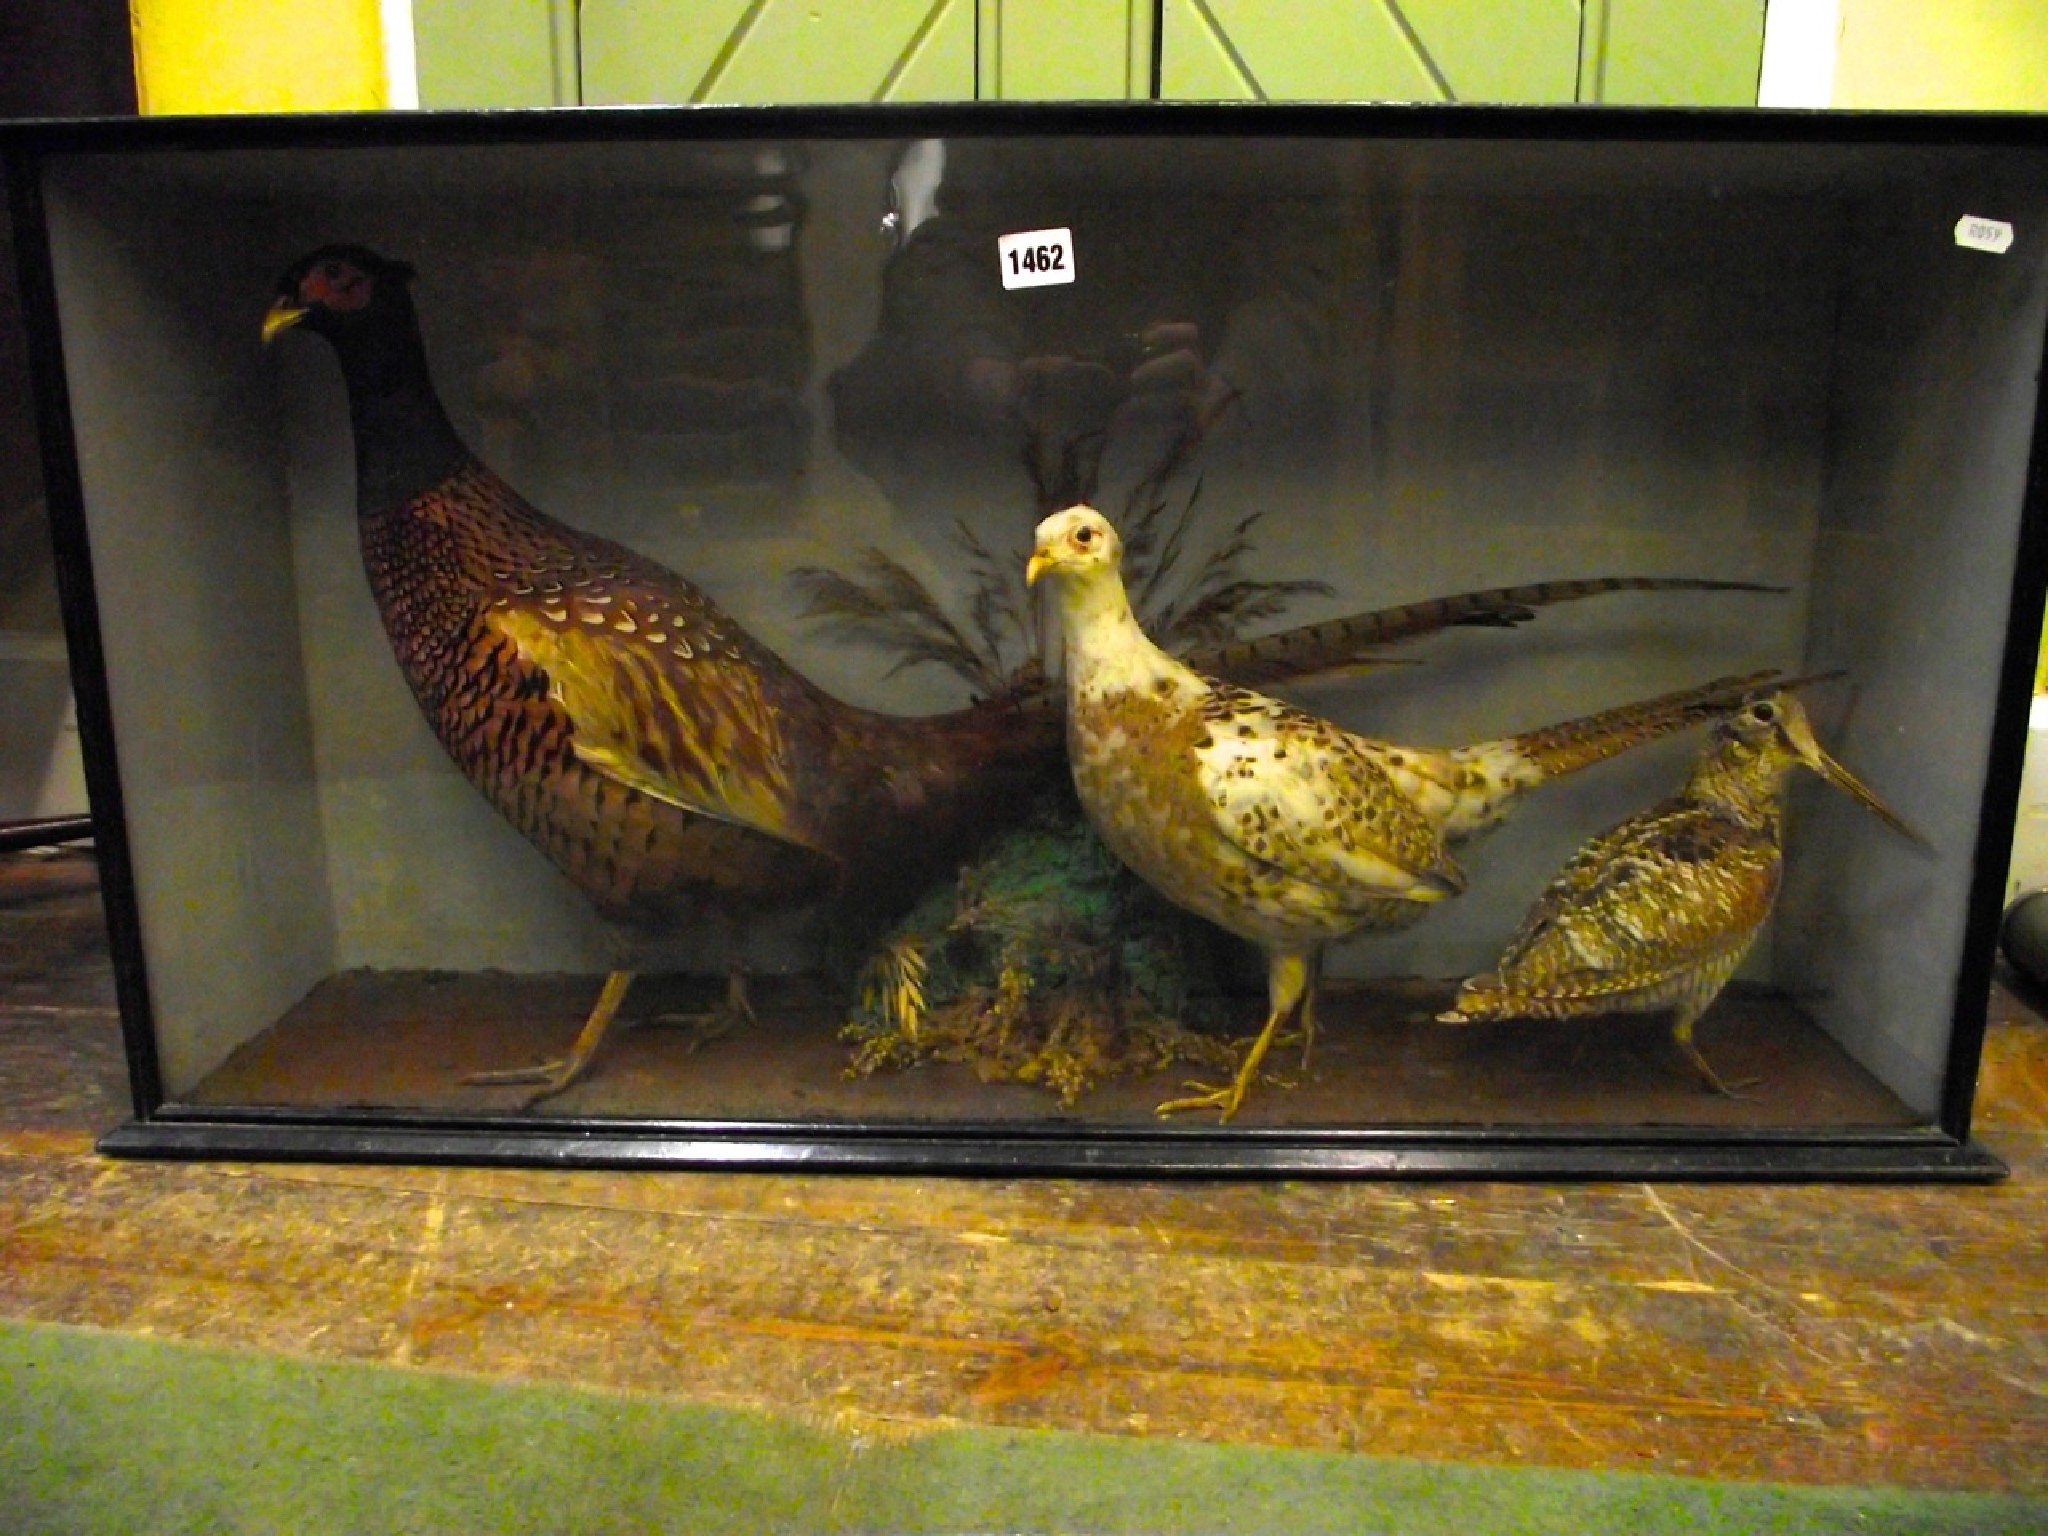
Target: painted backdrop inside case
<point>593,630</point>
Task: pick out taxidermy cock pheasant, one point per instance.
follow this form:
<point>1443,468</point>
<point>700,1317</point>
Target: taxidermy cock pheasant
<point>1656,913</point>
<point>1269,822</point>
<point>663,759</point>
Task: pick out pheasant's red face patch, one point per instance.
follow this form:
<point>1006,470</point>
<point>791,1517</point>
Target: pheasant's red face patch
<point>335,285</point>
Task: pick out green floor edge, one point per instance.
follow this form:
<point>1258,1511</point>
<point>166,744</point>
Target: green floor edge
<point>117,1434</point>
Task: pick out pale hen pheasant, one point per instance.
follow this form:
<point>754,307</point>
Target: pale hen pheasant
<point>1658,912</point>
<point>1269,822</point>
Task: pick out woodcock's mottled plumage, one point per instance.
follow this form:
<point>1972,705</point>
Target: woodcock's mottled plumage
<point>1657,913</point>
<point>1267,821</point>
<point>661,757</point>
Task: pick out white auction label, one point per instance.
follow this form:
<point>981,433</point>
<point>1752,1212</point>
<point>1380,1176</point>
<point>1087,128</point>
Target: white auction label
<point>1036,258</point>
<point>1993,235</point>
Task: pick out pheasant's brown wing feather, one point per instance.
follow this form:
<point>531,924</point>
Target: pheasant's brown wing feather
<point>658,703</point>
<point>1296,792</point>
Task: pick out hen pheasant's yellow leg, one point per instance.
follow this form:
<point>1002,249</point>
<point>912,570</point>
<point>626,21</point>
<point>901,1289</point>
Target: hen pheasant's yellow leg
<point>557,1074</point>
<point>1305,1016</point>
<point>1308,1008</point>
<point>1681,1031</point>
<point>1287,987</point>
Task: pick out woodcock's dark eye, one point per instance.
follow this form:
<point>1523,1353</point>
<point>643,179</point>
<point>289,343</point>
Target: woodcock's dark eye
<point>1763,714</point>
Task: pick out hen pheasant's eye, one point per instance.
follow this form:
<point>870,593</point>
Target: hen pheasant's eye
<point>1084,536</point>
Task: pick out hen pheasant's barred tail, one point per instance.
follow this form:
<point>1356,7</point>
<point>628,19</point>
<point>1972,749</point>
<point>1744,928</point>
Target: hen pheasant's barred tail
<point>1336,643</point>
<point>1466,790</point>
<point>1570,745</point>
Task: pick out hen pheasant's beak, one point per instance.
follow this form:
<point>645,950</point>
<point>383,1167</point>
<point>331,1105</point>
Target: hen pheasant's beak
<point>1039,563</point>
<point>281,317</point>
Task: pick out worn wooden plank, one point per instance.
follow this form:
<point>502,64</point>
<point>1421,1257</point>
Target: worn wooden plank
<point>1812,1334</point>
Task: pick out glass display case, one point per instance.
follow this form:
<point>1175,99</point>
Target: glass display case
<point>586,657</point>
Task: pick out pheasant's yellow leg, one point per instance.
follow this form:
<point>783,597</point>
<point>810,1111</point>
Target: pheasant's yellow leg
<point>1682,1033</point>
<point>1287,987</point>
<point>714,1023</point>
<point>557,1074</point>
<point>1308,1008</point>
<point>1305,1017</point>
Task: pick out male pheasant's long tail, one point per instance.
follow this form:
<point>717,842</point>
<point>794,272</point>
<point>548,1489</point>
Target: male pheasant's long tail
<point>1488,776</point>
<point>1335,644</point>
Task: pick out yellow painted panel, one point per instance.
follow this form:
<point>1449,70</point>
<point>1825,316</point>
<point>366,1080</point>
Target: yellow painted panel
<point>940,65</point>
<point>1500,50</point>
<point>1703,53</point>
<point>1313,50</point>
<point>647,51</point>
<point>1372,50</point>
<point>1065,50</point>
<point>777,50</point>
<point>258,55</point>
<point>1196,61</point>
<point>1959,55</point>
<point>530,60</point>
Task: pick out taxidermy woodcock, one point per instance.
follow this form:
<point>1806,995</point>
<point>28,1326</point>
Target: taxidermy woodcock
<point>1657,913</point>
<point>666,761</point>
<point>1269,822</point>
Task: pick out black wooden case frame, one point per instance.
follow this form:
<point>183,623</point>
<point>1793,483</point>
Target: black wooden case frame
<point>1801,350</point>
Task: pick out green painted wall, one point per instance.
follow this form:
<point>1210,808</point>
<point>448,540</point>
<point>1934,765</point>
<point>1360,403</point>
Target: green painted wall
<point>776,50</point>
<point>612,51</point>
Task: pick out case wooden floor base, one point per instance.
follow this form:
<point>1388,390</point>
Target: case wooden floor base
<point>370,1064</point>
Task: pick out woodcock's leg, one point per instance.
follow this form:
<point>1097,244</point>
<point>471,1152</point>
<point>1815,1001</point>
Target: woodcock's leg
<point>1288,979</point>
<point>1681,1031</point>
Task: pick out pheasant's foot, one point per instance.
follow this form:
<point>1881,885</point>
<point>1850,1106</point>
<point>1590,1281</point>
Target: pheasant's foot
<point>735,1011</point>
<point>698,1029</point>
<point>1307,1037</point>
<point>551,1076</point>
<point>1227,1099</point>
<point>559,1072</point>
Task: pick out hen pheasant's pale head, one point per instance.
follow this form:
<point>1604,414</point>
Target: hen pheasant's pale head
<point>1075,546</point>
<point>1770,733</point>
<point>336,288</point>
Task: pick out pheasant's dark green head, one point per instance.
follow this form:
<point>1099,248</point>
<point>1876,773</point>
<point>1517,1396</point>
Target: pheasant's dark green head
<point>359,301</point>
<point>339,291</point>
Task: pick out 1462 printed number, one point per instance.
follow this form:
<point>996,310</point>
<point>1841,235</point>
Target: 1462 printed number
<point>1036,258</point>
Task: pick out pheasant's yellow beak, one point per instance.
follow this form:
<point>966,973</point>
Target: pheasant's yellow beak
<point>281,317</point>
<point>1039,563</point>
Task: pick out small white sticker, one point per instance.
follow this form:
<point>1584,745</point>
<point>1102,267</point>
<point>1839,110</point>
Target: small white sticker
<point>1993,235</point>
<point>1036,258</point>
